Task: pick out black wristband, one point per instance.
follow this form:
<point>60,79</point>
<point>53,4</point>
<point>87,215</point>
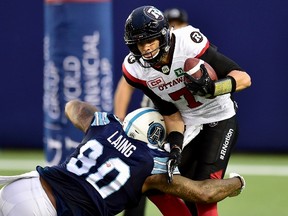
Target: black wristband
<point>233,82</point>
<point>175,138</point>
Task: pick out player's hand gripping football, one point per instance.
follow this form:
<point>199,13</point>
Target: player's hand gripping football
<point>173,162</point>
<point>203,86</point>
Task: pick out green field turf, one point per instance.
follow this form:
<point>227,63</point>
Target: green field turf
<point>266,193</point>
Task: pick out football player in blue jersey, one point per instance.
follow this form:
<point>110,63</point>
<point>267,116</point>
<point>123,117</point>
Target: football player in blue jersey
<point>110,169</point>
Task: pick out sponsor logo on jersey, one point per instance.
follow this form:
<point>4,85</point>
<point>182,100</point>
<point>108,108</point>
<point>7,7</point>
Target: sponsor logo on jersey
<point>226,143</point>
<point>196,37</point>
<point>170,84</point>
<point>162,85</point>
<point>156,82</point>
<point>131,59</point>
<point>179,72</point>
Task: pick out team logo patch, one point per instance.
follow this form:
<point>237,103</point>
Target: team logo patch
<point>156,82</point>
<point>165,69</point>
<point>153,13</point>
<point>196,37</point>
<point>179,72</point>
<point>155,134</point>
<point>131,59</point>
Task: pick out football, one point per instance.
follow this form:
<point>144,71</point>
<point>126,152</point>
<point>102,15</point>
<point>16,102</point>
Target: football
<point>192,67</point>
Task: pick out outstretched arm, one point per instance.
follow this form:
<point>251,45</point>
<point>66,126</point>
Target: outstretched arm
<point>206,191</point>
<point>80,114</point>
<point>122,98</point>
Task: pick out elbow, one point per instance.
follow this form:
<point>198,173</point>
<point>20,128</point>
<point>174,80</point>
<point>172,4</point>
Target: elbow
<point>243,81</point>
<point>207,194</point>
<point>248,81</point>
<point>242,78</point>
<point>70,107</point>
<point>207,197</point>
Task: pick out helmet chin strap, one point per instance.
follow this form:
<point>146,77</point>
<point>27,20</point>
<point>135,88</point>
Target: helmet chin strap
<point>150,53</point>
<point>148,62</point>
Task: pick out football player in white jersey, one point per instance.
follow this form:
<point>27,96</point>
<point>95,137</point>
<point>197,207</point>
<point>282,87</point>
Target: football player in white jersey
<point>204,127</point>
<point>177,18</point>
<point>109,170</point>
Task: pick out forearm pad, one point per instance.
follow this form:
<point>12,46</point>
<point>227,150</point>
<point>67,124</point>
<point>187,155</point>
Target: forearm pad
<point>224,86</point>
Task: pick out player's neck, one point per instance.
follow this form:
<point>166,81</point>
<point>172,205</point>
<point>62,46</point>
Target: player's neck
<point>163,61</point>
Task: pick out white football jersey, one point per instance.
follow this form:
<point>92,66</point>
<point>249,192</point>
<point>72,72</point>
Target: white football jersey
<point>169,83</point>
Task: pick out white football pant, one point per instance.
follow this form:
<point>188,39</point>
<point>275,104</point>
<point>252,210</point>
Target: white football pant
<point>25,197</point>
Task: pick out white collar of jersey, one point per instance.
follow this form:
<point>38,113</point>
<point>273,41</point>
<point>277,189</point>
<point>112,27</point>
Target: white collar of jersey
<point>196,68</point>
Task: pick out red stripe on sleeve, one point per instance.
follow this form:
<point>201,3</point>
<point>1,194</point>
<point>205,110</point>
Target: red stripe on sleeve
<point>203,50</point>
<point>130,77</point>
<point>217,175</point>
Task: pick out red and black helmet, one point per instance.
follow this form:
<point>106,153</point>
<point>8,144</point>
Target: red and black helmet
<point>147,22</point>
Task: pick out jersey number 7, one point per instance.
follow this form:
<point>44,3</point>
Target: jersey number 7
<point>188,96</point>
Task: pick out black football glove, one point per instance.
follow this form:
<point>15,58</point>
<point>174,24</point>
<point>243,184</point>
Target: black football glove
<point>203,86</point>
<point>173,162</point>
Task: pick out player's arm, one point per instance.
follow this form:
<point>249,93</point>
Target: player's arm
<point>241,78</point>
<point>206,191</point>
<point>224,67</point>
<point>174,122</point>
<point>175,129</point>
<point>80,114</point>
<point>172,116</point>
<point>122,98</point>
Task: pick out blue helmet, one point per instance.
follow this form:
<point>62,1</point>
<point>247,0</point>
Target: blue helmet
<point>147,125</point>
<point>147,22</point>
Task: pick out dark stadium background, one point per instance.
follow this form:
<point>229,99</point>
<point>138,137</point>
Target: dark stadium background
<point>254,33</point>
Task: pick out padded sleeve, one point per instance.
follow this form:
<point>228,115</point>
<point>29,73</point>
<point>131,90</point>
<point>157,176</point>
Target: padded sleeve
<point>221,63</point>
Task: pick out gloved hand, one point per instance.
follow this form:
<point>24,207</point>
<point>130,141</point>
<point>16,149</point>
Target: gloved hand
<point>173,162</point>
<point>203,86</point>
<point>243,184</point>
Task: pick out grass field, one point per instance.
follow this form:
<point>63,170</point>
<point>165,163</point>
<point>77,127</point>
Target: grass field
<point>266,193</point>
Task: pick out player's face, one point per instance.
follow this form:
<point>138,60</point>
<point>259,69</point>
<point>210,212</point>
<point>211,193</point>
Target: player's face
<point>149,48</point>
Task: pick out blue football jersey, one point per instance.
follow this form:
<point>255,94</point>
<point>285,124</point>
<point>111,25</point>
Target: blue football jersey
<point>106,172</point>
